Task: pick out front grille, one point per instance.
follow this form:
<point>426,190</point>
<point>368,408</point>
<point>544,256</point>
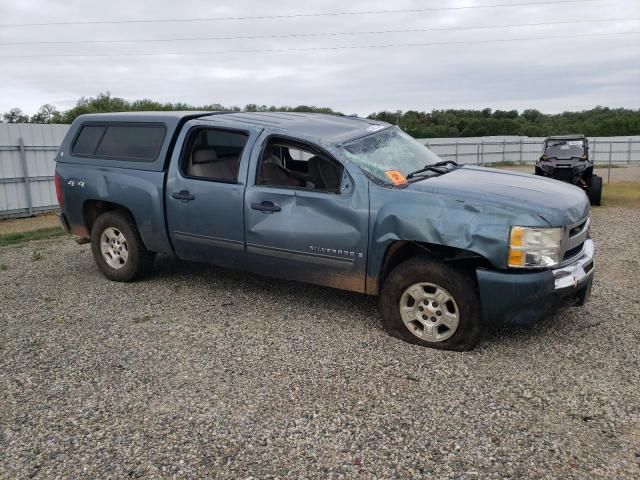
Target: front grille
<point>575,236</point>
<point>565,175</point>
<point>573,252</point>
<point>578,228</point>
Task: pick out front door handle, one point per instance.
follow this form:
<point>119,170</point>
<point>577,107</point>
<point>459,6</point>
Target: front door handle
<point>266,206</point>
<point>183,196</point>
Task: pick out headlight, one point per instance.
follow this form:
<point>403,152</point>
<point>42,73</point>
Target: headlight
<point>534,247</point>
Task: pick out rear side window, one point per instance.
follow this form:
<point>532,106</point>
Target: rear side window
<point>214,154</point>
<point>128,142</point>
<point>88,140</point>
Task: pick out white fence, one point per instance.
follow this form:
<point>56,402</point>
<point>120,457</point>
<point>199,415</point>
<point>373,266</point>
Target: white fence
<point>27,166</point>
<point>526,150</point>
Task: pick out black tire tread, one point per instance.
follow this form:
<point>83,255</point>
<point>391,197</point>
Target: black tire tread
<point>140,260</point>
<point>595,190</point>
<point>461,284</point>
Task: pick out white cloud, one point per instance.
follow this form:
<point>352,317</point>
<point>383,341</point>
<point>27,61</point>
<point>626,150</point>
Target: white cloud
<point>551,75</point>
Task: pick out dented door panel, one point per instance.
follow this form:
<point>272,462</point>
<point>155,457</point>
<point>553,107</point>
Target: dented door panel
<point>315,237</point>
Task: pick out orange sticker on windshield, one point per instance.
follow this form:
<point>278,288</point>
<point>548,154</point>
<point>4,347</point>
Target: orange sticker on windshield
<point>396,177</point>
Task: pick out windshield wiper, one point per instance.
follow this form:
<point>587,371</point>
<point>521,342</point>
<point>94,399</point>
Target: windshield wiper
<point>435,167</point>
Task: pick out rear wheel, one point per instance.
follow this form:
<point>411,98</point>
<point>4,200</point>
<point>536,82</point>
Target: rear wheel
<point>595,190</point>
<point>431,304</point>
<point>117,247</point>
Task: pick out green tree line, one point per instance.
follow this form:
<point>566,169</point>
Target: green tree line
<point>104,102</point>
<point>599,121</point>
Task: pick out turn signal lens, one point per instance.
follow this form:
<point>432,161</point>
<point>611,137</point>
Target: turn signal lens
<point>516,258</point>
<point>517,237</point>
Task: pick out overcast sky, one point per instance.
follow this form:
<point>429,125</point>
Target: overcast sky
<point>552,75</point>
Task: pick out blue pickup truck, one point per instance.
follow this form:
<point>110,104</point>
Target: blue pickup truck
<point>338,201</point>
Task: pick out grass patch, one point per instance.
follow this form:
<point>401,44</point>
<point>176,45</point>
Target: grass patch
<point>19,225</point>
<point>622,194</point>
<point>605,165</point>
<point>14,238</point>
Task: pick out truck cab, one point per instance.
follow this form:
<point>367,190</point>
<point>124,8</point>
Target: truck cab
<point>337,201</point>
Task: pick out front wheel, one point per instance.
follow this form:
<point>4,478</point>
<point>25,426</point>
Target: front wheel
<point>595,190</point>
<point>117,247</point>
<point>431,304</point>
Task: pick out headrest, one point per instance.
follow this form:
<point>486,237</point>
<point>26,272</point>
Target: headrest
<point>204,155</point>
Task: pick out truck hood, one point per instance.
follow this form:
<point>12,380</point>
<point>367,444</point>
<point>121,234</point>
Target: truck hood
<point>556,202</point>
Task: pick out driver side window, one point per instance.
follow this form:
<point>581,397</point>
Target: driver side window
<point>290,165</point>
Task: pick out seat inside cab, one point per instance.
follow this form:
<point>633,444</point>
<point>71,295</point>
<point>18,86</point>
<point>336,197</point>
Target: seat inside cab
<point>291,165</point>
<point>214,154</point>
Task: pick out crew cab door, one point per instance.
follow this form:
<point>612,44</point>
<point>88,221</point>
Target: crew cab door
<point>304,217</point>
<point>205,192</point>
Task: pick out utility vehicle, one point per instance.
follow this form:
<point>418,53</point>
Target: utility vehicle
<point>566,158</point>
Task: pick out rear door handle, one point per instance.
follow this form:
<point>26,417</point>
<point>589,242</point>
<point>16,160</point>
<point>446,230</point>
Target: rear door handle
<point>183,196</point>
<point>266,206</point>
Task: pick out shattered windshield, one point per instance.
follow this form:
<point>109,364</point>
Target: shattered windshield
<point>389,150</point>
<point>564,148</point>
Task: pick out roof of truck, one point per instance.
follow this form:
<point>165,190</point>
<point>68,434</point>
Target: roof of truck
<point>142,115</point>
<point>330,128</point>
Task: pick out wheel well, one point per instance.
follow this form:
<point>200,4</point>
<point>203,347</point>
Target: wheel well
<point>403,250</point>
<point>92,209</point>
<point>588,173</point>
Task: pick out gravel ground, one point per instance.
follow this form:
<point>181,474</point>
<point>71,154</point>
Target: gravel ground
<point>200,372</point>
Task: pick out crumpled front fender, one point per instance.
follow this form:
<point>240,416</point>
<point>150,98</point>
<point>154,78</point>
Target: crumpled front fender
<point>482,229</point>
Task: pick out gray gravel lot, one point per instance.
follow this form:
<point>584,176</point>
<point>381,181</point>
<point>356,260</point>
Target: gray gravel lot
<point>200,372</point>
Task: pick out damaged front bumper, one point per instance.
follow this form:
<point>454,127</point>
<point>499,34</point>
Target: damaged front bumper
<point>577,272</point>
<point>519,298</point>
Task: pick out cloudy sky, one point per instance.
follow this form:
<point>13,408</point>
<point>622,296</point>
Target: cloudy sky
<point>591,61</point>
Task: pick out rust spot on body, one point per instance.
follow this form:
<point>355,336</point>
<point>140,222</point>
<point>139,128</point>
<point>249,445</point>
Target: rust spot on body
<point>82,233</point>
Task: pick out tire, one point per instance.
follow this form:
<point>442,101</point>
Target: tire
<point>459,286</point>
<point>595,190</point>
<point>126,258</point>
